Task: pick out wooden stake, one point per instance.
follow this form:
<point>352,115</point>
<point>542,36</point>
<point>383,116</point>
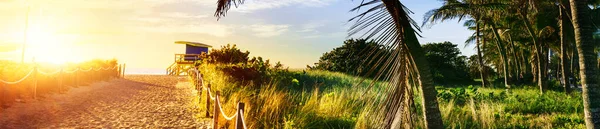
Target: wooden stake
<point>119,71</point>
<point>124,66</point>
<point>3,88</point>
<point>77,77</point>
<point>216,111</point>
<point>238,120</point>
<point>60,80</point>
<point>208,101</point>
<point>35,81</point>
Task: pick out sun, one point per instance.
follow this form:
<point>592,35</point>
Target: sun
<point>46,46</point>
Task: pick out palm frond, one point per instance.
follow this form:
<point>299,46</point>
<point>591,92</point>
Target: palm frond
<point>224,5</point>
<point>546,31</point>
<point>595,14</point>
<point>471,40</point>
<point>460,10</point>
<point>469,23</point>
<point>387,23</point>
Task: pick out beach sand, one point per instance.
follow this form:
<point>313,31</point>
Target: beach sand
<point>137,101</point>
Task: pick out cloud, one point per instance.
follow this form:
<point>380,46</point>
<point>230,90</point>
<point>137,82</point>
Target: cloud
<point>254,5</point>
<point>217,30</point>
<point>268,30</point>
<point>311,27</point>
<point>183,15</point>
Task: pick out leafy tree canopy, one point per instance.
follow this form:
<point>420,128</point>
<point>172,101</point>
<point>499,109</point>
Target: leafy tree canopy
<point>447,64</point>
<point>350,57</point>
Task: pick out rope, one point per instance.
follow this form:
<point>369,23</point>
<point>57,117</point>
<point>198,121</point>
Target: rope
<point>243,120</point>
<point>20,80</point>
<point>47,73</point>
<point>109,68</point>
<point>55,72</point>
<point>216,98</point>
<point>86,70</point>
<point>223,113</point>
<point>75,70</point>
<point>210,94</point>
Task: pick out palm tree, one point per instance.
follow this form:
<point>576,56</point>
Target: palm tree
<point>390,21</point>
<point>476,38</point>
<point>460,9</point>
<point>455,9</point>
<point>566,73</point>
<point>588,62</point>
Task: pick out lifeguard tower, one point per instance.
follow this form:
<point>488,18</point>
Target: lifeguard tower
<point>183,62</point>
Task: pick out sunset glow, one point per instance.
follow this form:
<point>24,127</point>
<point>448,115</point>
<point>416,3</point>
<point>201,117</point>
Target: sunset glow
<point>45,45</point>
<point>141,32</point>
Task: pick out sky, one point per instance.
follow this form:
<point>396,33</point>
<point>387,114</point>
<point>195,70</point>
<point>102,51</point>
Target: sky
<point>141,33</point>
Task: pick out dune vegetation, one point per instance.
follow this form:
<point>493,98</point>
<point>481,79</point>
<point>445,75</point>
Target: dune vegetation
<point>276,97</point>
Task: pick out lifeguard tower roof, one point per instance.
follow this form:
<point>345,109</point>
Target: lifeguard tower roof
<point>195,44</point>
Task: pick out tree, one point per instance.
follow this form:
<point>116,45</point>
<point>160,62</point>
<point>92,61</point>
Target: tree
<point>460,9</point>
<point>395,29</point>
<point>473,66</point>
<point>564,45</point>
<point>588,61</point>
<point>447,64</point>
<point>351,58</point>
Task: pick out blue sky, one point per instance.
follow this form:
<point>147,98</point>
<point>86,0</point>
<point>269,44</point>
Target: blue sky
<point>313,29</point>
<point>141,32</point>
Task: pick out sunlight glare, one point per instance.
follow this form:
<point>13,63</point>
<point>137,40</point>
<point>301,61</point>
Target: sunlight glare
<point>46,46</point>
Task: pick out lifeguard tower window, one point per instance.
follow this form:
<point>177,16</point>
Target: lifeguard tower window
<point>189,49</point>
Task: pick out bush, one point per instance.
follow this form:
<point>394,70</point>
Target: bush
<point>247,72</point>
<point>229,54</point>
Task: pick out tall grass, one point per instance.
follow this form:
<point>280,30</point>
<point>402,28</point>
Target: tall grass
<point>321,99</point>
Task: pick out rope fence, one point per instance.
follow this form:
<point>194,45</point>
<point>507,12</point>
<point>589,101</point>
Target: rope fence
<point>217,109</point>
<point>20,80</point>
<point>58,75</point>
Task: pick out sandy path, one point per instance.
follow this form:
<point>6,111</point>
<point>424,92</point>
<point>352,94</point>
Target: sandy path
<point>137,101</point>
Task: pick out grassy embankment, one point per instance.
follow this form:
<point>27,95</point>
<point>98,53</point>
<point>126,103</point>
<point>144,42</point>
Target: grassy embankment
<point>321,99</point>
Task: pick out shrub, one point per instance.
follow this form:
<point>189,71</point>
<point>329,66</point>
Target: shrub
<point>229,54</point>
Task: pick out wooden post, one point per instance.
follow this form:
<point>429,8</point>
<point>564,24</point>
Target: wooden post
<point>119,71</point>
<point>208,101</point>
<point>238,120</point>
<point>123,71</point>
<point>200,84</point>
<point>35,81</point>
<point>77,76</point>
<point>3,88</point>
<point>60,80</point>
<point>216,111</point>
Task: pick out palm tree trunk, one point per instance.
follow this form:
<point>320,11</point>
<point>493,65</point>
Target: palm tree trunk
<point>502,56</point>
<point>517,66</point>
<point>482,70</point>
<point>539,54</point>
<point>431,111</point>
<point>526,67</point>
<point>534,65</point>
<point>588,59</point>
<point>563,52</point>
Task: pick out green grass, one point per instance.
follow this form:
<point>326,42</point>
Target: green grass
<point>321,99</point>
